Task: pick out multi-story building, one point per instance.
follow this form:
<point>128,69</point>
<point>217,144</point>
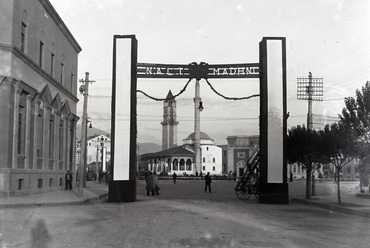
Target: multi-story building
<point>38,87</point>
<point>237,152</point>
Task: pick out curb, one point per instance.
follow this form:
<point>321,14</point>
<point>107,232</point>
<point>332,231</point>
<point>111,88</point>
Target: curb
<point>56,204</point>
<point>331,207</point>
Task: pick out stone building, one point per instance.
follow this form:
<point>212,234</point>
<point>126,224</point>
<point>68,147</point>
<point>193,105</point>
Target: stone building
<point>238,150</point>
<point>181,159</point>
<point>38,87</point>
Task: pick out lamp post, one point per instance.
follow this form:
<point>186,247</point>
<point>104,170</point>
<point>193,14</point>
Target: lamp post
<point>198,107</point>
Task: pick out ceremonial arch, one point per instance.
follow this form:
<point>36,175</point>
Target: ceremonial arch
<point>271,71</point>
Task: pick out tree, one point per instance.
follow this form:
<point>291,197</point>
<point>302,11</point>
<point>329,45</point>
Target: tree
<point>303,148</point>
<point>340,147</point>
<point>356,116</point>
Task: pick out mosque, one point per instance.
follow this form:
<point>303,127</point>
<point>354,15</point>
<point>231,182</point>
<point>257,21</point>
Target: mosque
<point>217,160</point>
<point>181,159</point>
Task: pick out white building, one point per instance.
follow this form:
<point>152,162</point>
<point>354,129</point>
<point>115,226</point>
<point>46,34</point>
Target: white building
<point>98,151</point>
<point>211,155</point>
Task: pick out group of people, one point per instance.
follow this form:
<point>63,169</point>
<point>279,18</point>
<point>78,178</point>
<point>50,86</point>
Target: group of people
<point>151,180</point>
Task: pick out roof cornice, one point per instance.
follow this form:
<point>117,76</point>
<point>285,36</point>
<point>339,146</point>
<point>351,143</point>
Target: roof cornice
<point>62,26</point>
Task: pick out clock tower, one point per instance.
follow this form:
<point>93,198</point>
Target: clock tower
<point>169,123</point>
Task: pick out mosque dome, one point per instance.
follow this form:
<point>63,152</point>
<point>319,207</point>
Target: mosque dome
<point>204,139</point>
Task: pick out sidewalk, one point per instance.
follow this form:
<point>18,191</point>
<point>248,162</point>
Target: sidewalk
<point>355,204</point>
<point>93,192</point>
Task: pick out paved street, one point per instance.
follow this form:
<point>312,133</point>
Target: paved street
<point>183,215</point>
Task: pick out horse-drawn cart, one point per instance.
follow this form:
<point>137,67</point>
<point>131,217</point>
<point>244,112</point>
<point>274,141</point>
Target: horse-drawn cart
<point>248,182</point>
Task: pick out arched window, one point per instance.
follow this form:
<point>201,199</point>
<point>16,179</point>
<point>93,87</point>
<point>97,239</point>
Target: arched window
<point>169,165</point>
<point>188,164</point>
<point>182,164</point>
<point>175,164</point>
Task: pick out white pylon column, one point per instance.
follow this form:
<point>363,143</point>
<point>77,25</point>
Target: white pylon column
<point>197,99</point>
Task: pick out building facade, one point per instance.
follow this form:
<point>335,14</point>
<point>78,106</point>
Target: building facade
<point>38,87</point>
<point>98,151</point>
<point>239,148</point>
<point>181,159</point>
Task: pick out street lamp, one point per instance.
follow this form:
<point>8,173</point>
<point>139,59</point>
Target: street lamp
<point>200,106</point>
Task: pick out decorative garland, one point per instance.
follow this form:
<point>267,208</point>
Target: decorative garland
<point>230,98</point>
<point>164,99</point>
<point>186,85</point>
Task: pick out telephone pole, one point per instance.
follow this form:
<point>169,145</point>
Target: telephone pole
<point>311,89</point>
<point>84,89</point>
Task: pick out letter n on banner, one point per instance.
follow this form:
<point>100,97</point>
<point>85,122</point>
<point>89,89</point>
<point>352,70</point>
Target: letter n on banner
<point>122,187</point>
<point>273,165</point>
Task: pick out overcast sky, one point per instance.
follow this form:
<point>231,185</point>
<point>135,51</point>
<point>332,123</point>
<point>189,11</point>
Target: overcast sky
<point>329,38</point>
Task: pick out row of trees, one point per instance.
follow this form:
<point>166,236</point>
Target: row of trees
<point>338,143</point>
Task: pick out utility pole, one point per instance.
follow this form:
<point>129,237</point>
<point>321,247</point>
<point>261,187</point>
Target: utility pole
<point>84,89</point>
<point>310,89</point>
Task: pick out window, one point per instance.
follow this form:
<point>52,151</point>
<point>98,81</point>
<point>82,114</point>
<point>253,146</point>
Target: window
<point>214,168</point>
<point>20,131</point>
<point>204,160</point>
<point>71,81</point>
<point>214,160</point>
<point>188,164</point>
<point>61,72</point>
<point>20,184</point>
<point>39,183</point>
<point>207,148</point>
<point>61,140</point>
<point>40,125</point>
<point>204,168</point>
<point>52,64</point>
<point>60,181</point>
<point>51,138</point>
<point>175,164</point>
<point>182,164</point>
<point>51,182</point>
<point>41,52</point>
<point>23,37</point>
<point>21,139</point>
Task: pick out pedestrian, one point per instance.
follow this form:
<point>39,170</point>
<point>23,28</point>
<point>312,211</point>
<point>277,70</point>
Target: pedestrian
<point>155,183</point>
<point>335,177</point>
<point>291,177</point>
<point>174,176</point>
<point>208,181</point>
<point>149,183</point>
<point>234,175</point>
<point>230,175</point>
<point>201,175</point>
<point>68,178</point>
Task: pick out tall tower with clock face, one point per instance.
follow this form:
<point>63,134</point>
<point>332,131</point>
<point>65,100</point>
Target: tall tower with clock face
<point>169,123</point>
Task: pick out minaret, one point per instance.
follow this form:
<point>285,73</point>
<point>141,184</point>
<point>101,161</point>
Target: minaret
<point>169,123</point>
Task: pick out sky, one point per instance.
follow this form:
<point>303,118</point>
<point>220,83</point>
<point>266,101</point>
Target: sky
<point>329,38</point>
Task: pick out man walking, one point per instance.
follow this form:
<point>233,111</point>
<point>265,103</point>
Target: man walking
<point>68,178</point>
<point>174,176</point>
<point>208,181</point>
